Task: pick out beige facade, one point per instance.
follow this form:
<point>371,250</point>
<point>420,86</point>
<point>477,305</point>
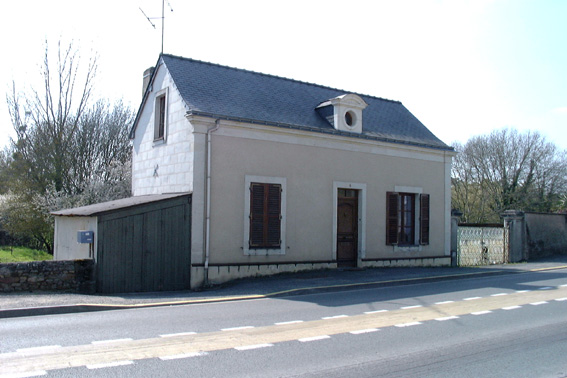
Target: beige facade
<point>313,166</point>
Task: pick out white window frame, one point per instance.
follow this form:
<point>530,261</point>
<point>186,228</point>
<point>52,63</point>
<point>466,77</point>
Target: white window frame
<point>163,92</point>
<point>246,242</point>
<point>417,247</point>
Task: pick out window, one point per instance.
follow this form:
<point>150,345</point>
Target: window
<point>160,115</point>
<point>401,221</point>
<point>264,230</point>
<point>265,215</point>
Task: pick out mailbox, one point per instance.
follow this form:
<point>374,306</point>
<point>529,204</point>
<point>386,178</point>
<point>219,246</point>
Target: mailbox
<point>85,237</point>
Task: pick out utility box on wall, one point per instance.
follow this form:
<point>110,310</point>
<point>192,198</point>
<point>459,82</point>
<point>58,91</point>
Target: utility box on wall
<point>85,237</point>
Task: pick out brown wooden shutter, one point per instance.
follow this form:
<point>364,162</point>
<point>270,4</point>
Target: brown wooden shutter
<point>424,219</point>
<point>392,218</point>
<point>265,215</point>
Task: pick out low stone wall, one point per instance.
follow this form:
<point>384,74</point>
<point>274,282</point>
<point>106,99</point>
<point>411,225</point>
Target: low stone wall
<point>62,275</point>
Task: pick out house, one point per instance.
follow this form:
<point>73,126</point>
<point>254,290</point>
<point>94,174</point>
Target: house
<point>282,175</point>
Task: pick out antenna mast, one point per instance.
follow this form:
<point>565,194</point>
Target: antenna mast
<point>162,19</point>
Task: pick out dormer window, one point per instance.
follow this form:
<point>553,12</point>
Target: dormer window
<point>344,112</point>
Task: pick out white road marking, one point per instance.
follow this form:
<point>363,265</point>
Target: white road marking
<point>375,312</point>
<point>444,302</point>
<point>407,324</point>
<point>334,317</point>
<point>561,299</point>
<point>538,303</point>
<point>447,318</point>
<point>361,331</point>
<point>499,294</point>
<point>178,334</point>
<point>314,338</point>
<point>184,355</point>
<point>563,285</point>
<point>409,307</point>
<point>545,288</point>
<point>110,341</point>
<point>290,322</point>
<point>257,346</point>
<point>481,312</point>
<point>471,298</point>
<point>109,364</point>
<point>41,349</point>
<point>511,308</point>
<point>236,328</point>
<point>523,291</point>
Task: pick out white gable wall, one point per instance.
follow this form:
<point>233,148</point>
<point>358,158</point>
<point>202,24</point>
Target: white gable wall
<point>164,166</point>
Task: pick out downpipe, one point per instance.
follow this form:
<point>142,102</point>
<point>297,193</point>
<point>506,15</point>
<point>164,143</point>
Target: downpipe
<point>208,202</point>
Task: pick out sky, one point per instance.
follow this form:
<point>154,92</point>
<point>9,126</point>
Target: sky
<point>463,68</point>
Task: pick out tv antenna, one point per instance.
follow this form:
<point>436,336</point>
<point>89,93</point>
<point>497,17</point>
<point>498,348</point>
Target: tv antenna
<point>162,19</point>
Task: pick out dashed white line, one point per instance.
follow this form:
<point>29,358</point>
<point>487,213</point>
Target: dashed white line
<point>481,312</point>
<point>407,324</point>
<point>546,288</point>
<point>184,355</point>
<point>538,303</point>
<point>236,328</point>
<point>444,302</point>
<point>110,341</point>
<point>334,317</point>
<point>522,291</point>
<point>178,334</point>
<point>41,349</point>
<point>257,346</point>
<point>109,364</point>
<point>563,285</point>
<point>471,298</point>
<point>447,318</point>
<point>499,294</point>
<point>511,308</point>
<point>561,299</point>
<point>290,322</point>
<point>314,338</point>
<point>361,331</point>
<point>375,312</point>
<point>410,307</point>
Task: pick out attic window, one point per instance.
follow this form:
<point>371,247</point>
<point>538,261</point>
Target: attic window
<point>160,116</point>
<point>350,118</point>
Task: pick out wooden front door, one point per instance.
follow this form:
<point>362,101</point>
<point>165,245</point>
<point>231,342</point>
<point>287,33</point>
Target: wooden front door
<point>347,227</point>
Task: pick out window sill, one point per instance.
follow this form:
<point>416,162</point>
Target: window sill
<point>407,248</point>
<point>264,252</point>
<point>159,142</point>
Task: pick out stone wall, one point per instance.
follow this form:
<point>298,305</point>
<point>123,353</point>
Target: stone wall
<point>546,234</point>
<point>65,275</point>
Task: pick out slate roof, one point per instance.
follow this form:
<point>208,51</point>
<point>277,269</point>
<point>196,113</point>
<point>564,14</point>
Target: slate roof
<point>226,92</point>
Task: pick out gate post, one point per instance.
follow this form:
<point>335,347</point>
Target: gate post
<point>455,218</point>
<point>514,220</point>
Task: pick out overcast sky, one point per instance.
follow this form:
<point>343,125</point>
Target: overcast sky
<point>463,68</point>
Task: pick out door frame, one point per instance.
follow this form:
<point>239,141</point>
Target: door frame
<point>361,249</point>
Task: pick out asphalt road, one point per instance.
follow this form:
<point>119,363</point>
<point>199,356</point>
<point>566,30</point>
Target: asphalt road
<point>513,325</point>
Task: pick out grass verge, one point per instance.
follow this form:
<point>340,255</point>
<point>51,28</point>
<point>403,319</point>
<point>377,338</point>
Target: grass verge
<point>16,254</point>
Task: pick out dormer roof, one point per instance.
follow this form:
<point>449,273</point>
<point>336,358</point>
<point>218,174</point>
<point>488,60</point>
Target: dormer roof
<point>224,92</point>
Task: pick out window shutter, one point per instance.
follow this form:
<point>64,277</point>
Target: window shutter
<point>265,215</point>
<point>392,218</point>
<point>256,215</point>
<point>424,219</point>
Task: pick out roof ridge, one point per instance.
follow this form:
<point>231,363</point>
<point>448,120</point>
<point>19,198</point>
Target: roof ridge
<point>277,77</point>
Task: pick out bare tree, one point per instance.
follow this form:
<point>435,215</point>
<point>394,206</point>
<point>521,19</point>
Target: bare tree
<point>507,170</point>
<point>68,151</point>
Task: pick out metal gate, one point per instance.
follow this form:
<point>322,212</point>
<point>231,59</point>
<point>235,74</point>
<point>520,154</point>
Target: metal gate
<point>482,245</point>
